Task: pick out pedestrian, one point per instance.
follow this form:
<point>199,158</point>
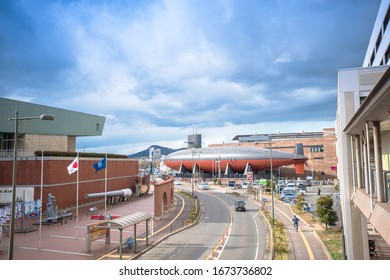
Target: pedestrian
<point>319,191</point>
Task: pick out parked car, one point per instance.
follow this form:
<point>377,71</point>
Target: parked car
<point>244,185</point>
<point>287,196</point>
<point>308,183</point>
<point>302,188</point>
<point>232,184</point>
<point>203,186</point>
<point>291,187</point>
<point>290,184</point>
<point>239,205</point>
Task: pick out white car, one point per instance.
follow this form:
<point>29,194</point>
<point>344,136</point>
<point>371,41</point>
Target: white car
<point>203,186</point>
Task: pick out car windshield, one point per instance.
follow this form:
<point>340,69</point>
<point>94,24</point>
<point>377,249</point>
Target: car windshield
<point>240,202</point>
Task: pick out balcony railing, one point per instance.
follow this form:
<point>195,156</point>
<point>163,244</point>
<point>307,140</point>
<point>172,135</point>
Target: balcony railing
<point>9,153</point>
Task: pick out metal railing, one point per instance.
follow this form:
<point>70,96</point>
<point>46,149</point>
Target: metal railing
<point>9,153</point>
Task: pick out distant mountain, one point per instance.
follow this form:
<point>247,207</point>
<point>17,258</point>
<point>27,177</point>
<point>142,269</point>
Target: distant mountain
<point>145,153</point>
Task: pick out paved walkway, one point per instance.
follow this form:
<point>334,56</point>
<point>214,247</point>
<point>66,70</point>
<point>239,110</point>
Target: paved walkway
<point>67,241</point>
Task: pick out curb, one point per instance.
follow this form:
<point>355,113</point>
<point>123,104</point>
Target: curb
<point>152,246</point>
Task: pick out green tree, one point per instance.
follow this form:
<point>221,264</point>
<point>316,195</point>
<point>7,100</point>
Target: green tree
<point>300,200</point>
<point>325,211</point>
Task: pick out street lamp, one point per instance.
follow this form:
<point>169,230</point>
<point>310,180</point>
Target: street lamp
<point>12,222</point>
<point>272,196</point>
<point>192,174</point>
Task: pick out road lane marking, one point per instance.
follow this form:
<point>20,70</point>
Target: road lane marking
<point>257,236</point>
<point>229,228</point>
<point>170,223</point>
<point>307,245</point>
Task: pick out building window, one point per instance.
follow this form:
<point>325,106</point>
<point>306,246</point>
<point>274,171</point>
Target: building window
<point>317,149</point>
<point>386,20</point>
<point>372,58</point>
<point>378,40</point>
<point>98,127</point>
<point>387,55</point>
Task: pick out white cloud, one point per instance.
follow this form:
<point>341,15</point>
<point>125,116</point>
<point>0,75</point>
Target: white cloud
<point>154,68</point>
<point>283,58</point>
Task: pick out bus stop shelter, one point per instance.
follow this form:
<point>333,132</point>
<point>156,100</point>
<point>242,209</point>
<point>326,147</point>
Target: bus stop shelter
<point>125,222</point>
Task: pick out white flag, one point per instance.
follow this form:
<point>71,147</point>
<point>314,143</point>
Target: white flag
<point>74,166</point>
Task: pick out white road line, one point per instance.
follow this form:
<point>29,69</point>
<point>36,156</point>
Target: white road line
<point>257,236</point>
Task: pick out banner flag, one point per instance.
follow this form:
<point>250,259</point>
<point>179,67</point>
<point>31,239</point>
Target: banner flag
<point>100,165</point>
<point>74,166</point>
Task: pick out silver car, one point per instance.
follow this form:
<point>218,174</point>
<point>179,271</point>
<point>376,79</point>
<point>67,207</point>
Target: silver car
<point>203,186</point>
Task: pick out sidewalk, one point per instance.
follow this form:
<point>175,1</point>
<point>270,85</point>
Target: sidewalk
<point>303,245</point>
<point>67,241</point>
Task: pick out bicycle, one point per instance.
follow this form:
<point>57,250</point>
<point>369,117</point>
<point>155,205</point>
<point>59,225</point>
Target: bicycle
<point>372,249</point>
<point>295,221</point>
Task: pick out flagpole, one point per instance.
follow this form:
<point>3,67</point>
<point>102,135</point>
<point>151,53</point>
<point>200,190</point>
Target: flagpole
<point>77,196</point>
<point>105,189</point>
<point>40,212</point>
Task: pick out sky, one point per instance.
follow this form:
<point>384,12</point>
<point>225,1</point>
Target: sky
<point>160,70</point>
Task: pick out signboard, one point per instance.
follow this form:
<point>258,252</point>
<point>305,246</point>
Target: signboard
<point>249,176</point>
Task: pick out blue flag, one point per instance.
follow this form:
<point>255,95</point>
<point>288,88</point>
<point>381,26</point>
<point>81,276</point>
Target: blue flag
<point>100,165</point>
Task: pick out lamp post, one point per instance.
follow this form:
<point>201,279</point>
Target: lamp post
<point>192,174</point>
<point>12,222</point>
<point>272,197</point>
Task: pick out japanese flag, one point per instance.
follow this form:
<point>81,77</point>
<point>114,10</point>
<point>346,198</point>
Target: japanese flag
<point>74,166</point>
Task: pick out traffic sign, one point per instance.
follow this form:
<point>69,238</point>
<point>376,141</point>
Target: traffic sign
<point>249,176</point>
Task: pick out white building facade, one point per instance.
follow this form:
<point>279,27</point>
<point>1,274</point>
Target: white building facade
<point>363,143</point>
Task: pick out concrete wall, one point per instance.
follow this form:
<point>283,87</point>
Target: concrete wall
<point>35,142</point>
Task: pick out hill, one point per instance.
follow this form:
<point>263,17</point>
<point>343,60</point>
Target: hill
<point>145,153</point>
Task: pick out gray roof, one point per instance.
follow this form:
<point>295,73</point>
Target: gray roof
<point>66,122</point>
<point>125,221</point>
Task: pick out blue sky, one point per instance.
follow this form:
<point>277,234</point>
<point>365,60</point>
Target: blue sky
<point>157,69</point>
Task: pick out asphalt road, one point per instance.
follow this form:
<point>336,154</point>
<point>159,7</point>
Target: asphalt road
<point>248,235</point>
<point>195,243</point>
<point>221,233</point>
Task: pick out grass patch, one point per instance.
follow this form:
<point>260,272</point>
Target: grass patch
<point>332,239</point>
<point>280,241</point>
<point>194,212</point>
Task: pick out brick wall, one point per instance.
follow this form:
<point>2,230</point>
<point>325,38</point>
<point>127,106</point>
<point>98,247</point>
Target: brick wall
<point>319,162</point>
<point>121,173</point>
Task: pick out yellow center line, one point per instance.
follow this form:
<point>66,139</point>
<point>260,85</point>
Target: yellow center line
<point>307,245</point>
<point>173,220</point>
